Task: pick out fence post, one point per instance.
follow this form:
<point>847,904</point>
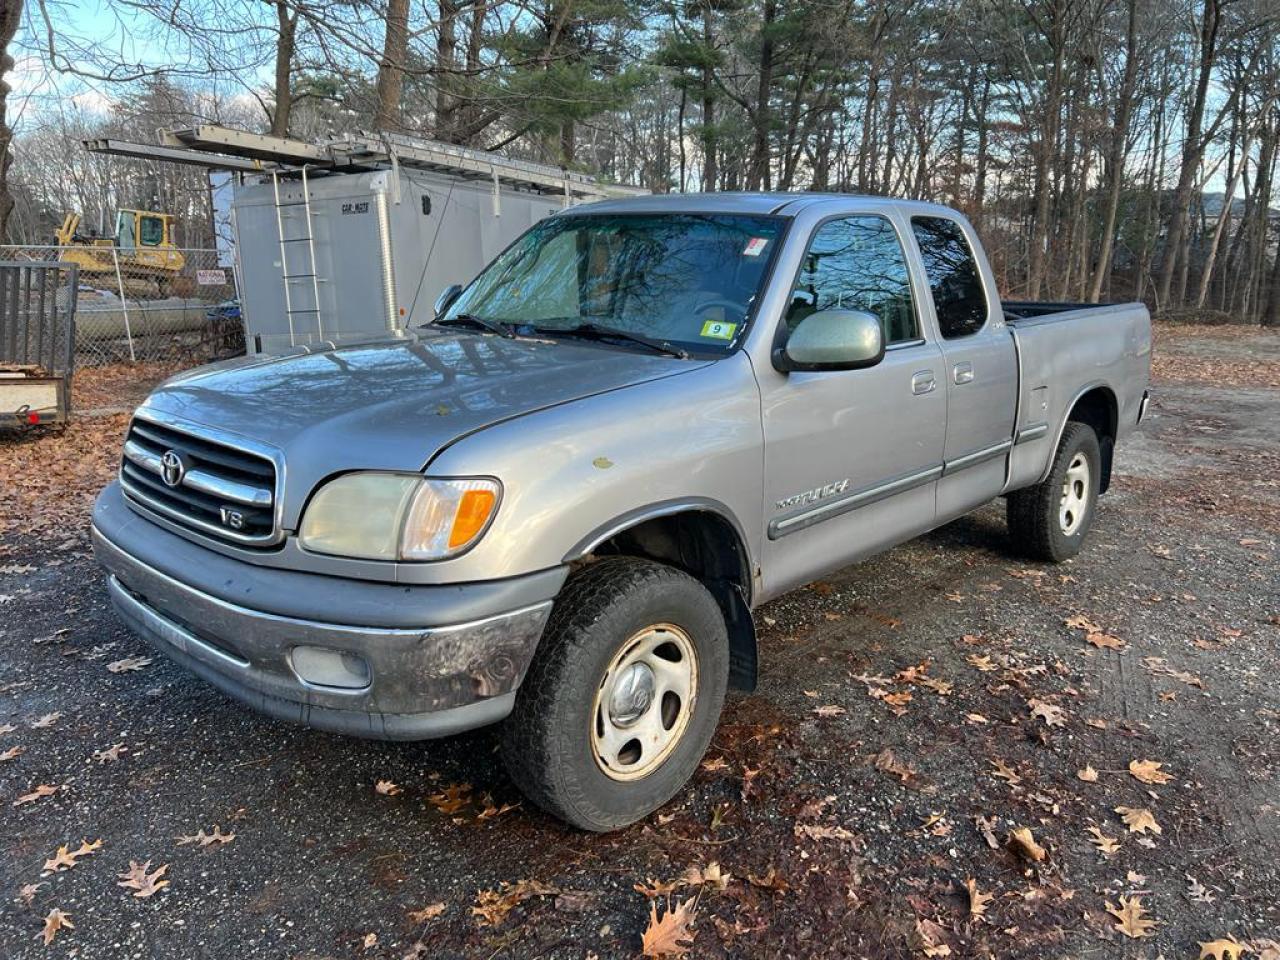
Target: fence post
<point>124,304</point>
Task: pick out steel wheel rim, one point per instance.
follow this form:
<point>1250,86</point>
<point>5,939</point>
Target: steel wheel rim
<point>644,702</point>
<point>1074,503</point>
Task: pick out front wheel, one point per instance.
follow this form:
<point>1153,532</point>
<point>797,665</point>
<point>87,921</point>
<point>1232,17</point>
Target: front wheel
<point>623,694</point>
<point>1050,520</point>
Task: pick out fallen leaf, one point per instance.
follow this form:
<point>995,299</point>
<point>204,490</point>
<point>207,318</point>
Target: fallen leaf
<point>976,718</point>
<point>48,720</point>
<point>1131,918</point>
<point>12,753</point>
<point>41,791</point>
<point>491,810</point>
<point>1004,772</point>
<point>983,662</point>
<point>370,941</point>
<point>128,664</point>
<point>203,839</point>
<point>1228,949</point>
<point>929,939</point>
<point>429,912</point>
<point>1104,843</point>
<point>1148,771</point>
<point>1088,774</point>
<point>987,827</point>
<point>1267,949</point>
<point>142,883</point>
<point>816,831</point>
<point>771,879</point>
<point>709,876</point>
<point>1078,622</point>
<point>1197,891</point>
<point>978,901</point>
<point>452,799</point>
<point>27,893</point>
<point>387,788</point>
<point>652,888</point>
<point>1138,820</point>
<point>492,906</point>
<point>830,710</point>
<point>1025,844</point>
<point>897,702</point>
<point>715,764</point>
<point>669,935</point>
<point>6,728</point>
<point>1104,641</point>
<point>111,754</point>
<point>55,920</point>
<point>887,762</point>
<point>65,859</point>
<point>1050,713</point>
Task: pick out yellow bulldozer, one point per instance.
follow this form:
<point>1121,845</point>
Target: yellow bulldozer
<point>143,247</point>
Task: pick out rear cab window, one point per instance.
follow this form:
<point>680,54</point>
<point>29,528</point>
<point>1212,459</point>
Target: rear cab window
<point>959,299</point>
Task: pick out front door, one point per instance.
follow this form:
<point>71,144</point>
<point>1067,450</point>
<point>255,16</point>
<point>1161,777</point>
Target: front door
<point>980,370</point>
<point>852,457</point>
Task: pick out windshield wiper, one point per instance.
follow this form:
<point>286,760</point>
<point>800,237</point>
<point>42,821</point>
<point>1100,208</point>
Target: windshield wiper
<point>493,326</point>
<point>598,331</point>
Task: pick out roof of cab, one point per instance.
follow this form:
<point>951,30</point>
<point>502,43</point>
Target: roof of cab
<point>751,204</point>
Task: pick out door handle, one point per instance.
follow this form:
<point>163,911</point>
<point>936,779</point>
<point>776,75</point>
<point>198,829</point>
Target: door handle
<point>964,372</point>
<point>923,382</point>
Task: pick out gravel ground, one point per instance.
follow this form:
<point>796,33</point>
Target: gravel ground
<point>847,815</point>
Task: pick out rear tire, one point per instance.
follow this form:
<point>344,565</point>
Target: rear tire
<point>1050,520</point>
<point>623,694</point>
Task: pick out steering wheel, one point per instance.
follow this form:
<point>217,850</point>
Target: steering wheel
<point>734,311</point>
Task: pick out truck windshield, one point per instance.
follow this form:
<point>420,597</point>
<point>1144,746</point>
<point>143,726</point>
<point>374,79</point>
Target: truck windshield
<point>685,279</point>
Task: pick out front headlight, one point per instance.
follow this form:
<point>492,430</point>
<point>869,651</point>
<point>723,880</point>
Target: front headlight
<point>393,516</point>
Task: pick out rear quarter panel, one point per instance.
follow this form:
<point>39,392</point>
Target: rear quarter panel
<point>1063,356</point>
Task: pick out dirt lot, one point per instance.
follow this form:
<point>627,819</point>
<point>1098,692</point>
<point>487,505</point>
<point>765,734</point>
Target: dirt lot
<point>914,712</point>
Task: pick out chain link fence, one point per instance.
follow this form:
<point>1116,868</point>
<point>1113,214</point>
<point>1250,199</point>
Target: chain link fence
<point>147,303</point>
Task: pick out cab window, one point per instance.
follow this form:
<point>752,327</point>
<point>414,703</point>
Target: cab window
<point>857,263</point>
<point>150,231</point>
<point>958,297</point>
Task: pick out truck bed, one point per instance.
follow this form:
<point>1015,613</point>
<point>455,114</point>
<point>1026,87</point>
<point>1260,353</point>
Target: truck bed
<point>1015,310</point>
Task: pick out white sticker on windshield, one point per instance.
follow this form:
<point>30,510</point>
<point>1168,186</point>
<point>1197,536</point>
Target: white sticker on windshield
<point>755,246</point>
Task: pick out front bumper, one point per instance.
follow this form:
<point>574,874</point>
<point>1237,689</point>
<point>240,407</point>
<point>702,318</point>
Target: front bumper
<point>410,682</point>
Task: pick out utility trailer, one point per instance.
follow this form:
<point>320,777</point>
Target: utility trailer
<point>37,341</point>
<point>355,236</point>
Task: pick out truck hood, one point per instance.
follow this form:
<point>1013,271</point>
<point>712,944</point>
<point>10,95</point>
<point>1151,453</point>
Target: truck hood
<point>393,405</point>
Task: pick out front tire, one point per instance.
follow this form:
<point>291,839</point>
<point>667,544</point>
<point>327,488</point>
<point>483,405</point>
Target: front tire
<point>1050,520</point>
<point>623,694</point>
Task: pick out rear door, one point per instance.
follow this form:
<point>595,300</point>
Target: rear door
<point>980,368</point>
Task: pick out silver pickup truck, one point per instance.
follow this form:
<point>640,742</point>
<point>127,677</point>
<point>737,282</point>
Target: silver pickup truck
<point>558,504</point>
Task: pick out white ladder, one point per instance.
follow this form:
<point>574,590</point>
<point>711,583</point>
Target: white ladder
<point>291,278</point>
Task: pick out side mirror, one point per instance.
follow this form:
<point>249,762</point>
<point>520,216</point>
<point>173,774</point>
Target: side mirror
<point>446,298</point>
<point>833,340</point>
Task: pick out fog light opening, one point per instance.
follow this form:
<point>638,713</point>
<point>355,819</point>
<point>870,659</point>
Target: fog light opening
<point>322,667</point>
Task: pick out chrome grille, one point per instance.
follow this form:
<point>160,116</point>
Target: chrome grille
<point>221,489</point>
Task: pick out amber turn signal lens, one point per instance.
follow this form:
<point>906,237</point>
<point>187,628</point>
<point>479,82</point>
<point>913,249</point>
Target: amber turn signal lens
<point>473,513</point>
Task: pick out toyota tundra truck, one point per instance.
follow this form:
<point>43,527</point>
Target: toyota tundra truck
<point>557,505</point>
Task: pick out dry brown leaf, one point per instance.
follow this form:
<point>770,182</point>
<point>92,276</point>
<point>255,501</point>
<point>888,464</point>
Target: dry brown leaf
<point>652,888</point>
<point>1105,844</point>
<point>1198,892</point>
<point>41,791</point>
<point>830,710</point>
<point>1148,771</point>
<point>111,754</point>
<point>12,753</point>
<point>887,762</point>
<point>1224,949</point>
<point>48,720</point>
<point>897,702</point>
<point>54,921</point>
<point>1004,772</point>
<point>1052,714</point>
<point>492,906</point>
<point>1078,622</point>
<point>819,832</point>
<point>452,799</point>
<point>128,664</point>
<point>978,901</point>
<point>1138,820</point>
<point>929,939</point>
<point>983,662</point>
<point>142,883</point>
<point>1104,641</point>
<point>28,892</point>
<point>1267,949</point>
<point>386,788</point>
<point>491,810</point>
<point>203,839</point>
<point>669,935</point>
<point>987,827</point>
<point>1088,774</point>
<point>1024,844</point>
<point>1131,917</point>
<point>770,880</point>
<point>65,859</point>
<point>715,764</point>
<point>709,876</point>
<point>429,912</point>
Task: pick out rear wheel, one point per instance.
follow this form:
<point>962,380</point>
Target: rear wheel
<point>1050,520</point>
<point>623,695</point>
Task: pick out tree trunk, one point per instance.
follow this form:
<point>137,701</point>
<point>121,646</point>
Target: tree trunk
<point>1116,152</point>
<point>1192,151</point>
<point>287,28</point>
<point>446,65</point>
<point>710,141</point>
<point>395,48</point>
<point>758,175</point>
<point>1044,156</point>
<point>10,17</point>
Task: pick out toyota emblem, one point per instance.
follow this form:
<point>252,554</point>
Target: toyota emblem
<point>172,468</point>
